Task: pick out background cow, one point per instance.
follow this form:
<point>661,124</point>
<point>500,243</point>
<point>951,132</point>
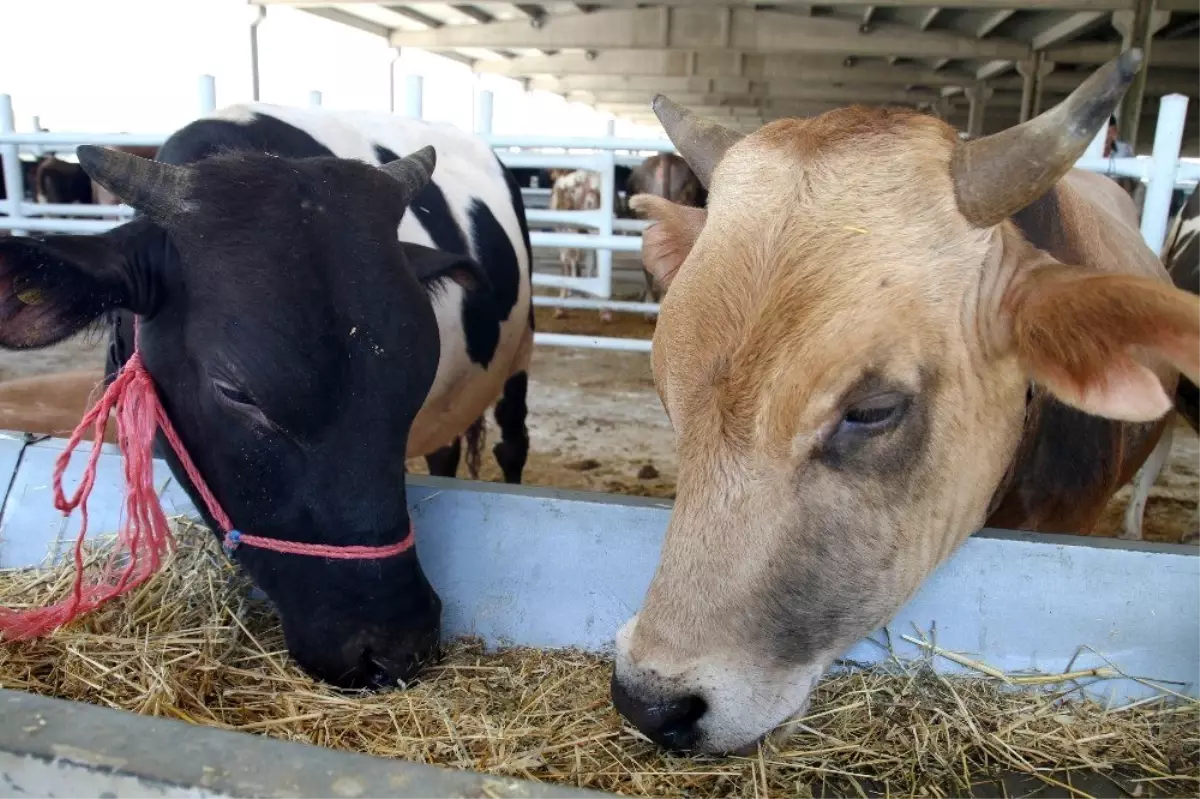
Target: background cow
<point>1181,255</point>
<point>301,348</point>
<point>65,182</point>
<point>876,340</point>
<point>575,191</point>
<point>668,176</point>
<point>61,182</point>
<point>28,170</point>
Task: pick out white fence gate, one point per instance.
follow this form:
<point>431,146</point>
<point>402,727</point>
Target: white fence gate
<point>1163,171</point>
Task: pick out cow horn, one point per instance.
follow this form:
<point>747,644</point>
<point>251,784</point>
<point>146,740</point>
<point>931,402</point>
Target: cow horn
<point>413,171</point>
<point>158,189</point>
<point>701,142</point>
<point>996,176</point>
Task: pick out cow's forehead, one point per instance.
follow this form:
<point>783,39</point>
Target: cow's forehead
<point>847,151</point>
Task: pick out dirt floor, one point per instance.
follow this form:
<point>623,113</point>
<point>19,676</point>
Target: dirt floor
<point>597,425</point>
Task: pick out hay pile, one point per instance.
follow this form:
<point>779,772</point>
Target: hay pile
<point>191,645</point>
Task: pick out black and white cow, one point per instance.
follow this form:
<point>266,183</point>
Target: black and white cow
<point>302,349</point>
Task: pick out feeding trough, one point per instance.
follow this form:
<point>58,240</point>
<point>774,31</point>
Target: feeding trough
<point>551,570</point>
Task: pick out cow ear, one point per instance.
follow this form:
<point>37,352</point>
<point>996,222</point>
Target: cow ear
<point>430,265</point>
<point>667,242</point>
<point>1092,338</point>
<point>53,287</point>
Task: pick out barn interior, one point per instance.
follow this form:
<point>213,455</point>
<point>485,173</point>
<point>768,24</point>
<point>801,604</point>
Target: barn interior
<point>983,65</point>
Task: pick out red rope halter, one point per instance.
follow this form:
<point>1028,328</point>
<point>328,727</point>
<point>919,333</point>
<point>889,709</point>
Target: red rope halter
<point>145,535</point>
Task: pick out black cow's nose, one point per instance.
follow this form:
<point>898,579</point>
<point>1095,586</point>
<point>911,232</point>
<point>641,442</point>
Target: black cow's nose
<point>668,721</point>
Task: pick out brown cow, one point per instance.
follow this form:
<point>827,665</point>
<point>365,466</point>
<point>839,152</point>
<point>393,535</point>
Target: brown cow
<point>668,176</point>
<point>64,182</point>
<point>51,404</point>
<point>876,340</point>
<point>1181,255</point>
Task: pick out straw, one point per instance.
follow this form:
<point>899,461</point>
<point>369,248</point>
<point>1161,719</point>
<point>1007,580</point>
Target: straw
<point>191,645</point>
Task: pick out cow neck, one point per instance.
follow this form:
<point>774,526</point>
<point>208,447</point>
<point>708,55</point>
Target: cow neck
<point>145,537</point>
<point>1010,473</point>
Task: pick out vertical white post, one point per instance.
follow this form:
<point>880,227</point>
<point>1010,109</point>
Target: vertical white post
<point>483,112</point>
<point>38,150</point>
<point>314,98</point>
<point>1096,148</point>
<point>260,13</point>
<point>608,196</point>
<point>1168,137</point>
<point>413,101</point>
<point>208,94</point>
<point>14,188</point>
<point>392,79</point>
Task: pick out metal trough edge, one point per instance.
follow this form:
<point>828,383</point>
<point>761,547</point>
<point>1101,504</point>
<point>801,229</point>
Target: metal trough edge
<point>52,747</point>
<point>549,568</point>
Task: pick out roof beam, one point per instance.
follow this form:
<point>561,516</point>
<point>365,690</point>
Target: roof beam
<point>474,12</point>
<point>993,68</point>
<point>535,12</point>
<point>1184,53</point>
<point>1031,5</point>
<point>657,64</point>
<point>928,17</point>
<point>1063,31</point>
<point>723,100</point>
<point>416,16</point>
<point>1158,82</point>
<point>1070,28</point>
<point>703,30</point>
<point>350,20</point>
<point>992,21</point>
<point>843,95</point>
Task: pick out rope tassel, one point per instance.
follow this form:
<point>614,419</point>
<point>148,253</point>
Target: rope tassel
<point>144,537</point>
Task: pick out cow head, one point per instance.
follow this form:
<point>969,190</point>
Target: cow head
<point>292,344</point>
<point>844,352</point>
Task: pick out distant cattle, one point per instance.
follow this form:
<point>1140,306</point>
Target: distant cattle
<point>62,182</point>
<point>575,191</point>
<point>28,170</point>
<point>1181,256</point>
<point>668,176</point>
<point>878,339</point>
<point>320,297</point>
<point>65,182</point>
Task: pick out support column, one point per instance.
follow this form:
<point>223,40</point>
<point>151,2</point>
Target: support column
<point>392,79</point>
<point>1033,70</point>
<point>1137,29</point>
<point>413,96</point>
<point>978,94</point>
<point>260,13</point>
<point>483,112</point>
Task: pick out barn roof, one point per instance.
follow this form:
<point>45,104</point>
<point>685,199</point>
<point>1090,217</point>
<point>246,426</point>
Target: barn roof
<point>751,63</point>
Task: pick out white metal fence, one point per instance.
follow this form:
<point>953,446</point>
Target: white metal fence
<point>1162,172</point>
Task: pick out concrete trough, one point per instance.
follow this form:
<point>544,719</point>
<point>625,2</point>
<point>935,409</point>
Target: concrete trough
<point>547,568</point>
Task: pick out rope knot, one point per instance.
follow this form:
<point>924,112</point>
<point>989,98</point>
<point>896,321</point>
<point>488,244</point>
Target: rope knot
<point>232,540</point>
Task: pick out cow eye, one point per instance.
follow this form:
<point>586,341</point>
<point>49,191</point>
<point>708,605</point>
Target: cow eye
<point>232,393</point>
<point>875,415</point>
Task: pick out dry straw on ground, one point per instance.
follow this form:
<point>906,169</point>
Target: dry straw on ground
<point>191,645</point>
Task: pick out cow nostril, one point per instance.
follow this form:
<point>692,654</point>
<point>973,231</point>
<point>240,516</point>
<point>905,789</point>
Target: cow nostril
<point>679,721</point>
<point>378,677</point>
<point>669,722</point>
